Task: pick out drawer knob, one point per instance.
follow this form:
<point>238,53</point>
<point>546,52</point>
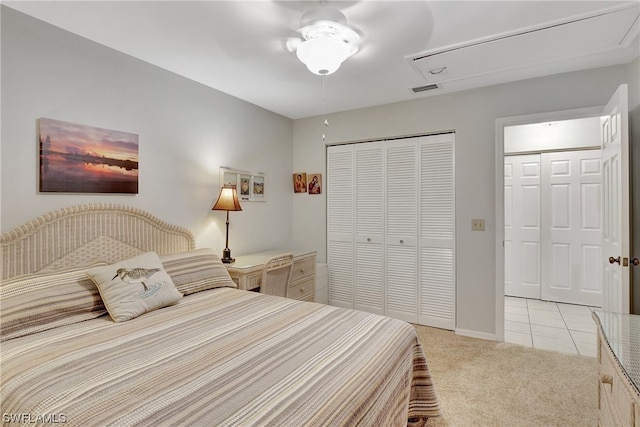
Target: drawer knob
<point>606,379</point>
<point>302,271</point>
<point>301,291</point>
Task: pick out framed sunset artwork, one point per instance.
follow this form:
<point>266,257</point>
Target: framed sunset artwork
<point>77,158</point>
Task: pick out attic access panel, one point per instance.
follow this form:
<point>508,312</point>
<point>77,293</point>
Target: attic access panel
<point>548,44</point>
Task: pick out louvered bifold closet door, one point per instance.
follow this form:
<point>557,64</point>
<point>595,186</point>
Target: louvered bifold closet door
<point>401,260</point>
<point>437,232</point>
<point>391,228</point>
<point>340,224</point>
<point>369,239</point>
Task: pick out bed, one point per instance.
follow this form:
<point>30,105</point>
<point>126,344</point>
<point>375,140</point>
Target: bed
<point>216,356</point>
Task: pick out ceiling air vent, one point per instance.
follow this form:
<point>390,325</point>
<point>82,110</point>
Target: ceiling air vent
<point>423,88</point>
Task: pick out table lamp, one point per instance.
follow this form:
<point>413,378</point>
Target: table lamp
<point>227,201</point>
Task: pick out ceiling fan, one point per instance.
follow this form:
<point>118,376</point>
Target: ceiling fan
<point>324,40</point>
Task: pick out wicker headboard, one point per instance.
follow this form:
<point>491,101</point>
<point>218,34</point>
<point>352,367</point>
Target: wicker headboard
<point>84,235</point>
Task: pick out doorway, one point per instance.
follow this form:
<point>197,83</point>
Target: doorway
<point>501,125</point>
<point>552,216</point>
<point>553,234</point>
<point>614,137</point>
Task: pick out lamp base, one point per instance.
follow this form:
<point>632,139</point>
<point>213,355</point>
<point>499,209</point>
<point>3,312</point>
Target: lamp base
<point>226,256</point>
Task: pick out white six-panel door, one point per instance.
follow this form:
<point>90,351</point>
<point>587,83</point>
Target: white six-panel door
<point>522,226</point>
<point>616,208</point>
<point>571,232</point>
<point>553,226</point>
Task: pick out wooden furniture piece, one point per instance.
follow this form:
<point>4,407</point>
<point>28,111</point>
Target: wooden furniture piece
<point>276,275</point>
<point>246,272</point>
<point>619,369</point>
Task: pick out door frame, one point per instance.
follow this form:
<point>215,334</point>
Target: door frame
<point>500,124</point>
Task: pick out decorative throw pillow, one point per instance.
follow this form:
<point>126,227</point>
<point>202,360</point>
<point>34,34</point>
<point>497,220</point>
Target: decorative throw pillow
<point>39,302</point>
<point>196,271</point>
<point>134,286</point>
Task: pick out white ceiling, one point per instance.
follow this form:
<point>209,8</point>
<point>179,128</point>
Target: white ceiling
<point>238,47</point>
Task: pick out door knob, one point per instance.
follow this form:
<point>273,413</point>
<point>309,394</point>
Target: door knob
<point>635,261</point>
<point>612,260</point>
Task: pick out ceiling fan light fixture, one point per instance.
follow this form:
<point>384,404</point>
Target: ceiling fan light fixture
<point>326,42</point>
<point>323,55</point>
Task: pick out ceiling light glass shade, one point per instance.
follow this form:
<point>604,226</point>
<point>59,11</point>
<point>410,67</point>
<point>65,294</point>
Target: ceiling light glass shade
<point>325,41</point>
<point>323,55</point>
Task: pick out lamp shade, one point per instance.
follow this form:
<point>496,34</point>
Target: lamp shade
<point>323,55</point>
<point>228,200</point>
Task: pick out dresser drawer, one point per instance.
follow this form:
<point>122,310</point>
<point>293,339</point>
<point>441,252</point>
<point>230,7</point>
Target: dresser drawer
<point>303,289</point>
<point>607,414</point>
<point>615,393</point>
<point>246,272</point>
<point>251,280</point>
<point>303,268</point>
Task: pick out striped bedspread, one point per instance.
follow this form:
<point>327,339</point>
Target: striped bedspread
<point>222,357</point>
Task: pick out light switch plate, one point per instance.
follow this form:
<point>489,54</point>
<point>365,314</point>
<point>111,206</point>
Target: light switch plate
<point>477,224</point>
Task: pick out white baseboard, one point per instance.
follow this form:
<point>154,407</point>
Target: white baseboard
<point>475,334</point>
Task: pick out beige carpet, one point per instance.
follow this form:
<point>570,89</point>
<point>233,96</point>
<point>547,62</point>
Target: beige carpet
<point>485,383</point>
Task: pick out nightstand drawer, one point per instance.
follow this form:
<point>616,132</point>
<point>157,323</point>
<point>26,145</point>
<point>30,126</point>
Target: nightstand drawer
<point>303,268</point>
<point>302,289</point>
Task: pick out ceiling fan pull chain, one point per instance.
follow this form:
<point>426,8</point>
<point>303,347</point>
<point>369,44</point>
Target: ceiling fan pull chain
<point>324,105</point>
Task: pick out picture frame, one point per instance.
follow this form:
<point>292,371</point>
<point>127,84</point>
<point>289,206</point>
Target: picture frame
<point>300,182</point>
<point>257,187</point>
<point>314,185</point>
<point>250,186</point>
<point>76,158</point>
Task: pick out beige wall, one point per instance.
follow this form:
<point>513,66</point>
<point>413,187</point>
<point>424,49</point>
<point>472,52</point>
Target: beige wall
<point>472,114</point>
<point>186,132</point>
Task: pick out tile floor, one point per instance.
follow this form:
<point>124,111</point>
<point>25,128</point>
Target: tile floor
<point>548,325</point>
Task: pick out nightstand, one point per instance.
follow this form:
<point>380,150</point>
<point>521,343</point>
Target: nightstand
<point>246,272</point>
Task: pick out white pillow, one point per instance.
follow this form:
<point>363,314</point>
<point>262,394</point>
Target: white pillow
<point>134,286</point>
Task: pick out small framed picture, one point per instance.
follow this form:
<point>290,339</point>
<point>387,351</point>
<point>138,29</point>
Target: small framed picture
<point>300,182</point>
<point>245,187</point>
<point>228,178</point>
<point>315,183</point>
<point>250,186</point>
<point>257,188</point>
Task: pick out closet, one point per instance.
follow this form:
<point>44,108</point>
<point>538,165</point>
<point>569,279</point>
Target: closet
<point>553,226</point>
<point>391,228</point>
